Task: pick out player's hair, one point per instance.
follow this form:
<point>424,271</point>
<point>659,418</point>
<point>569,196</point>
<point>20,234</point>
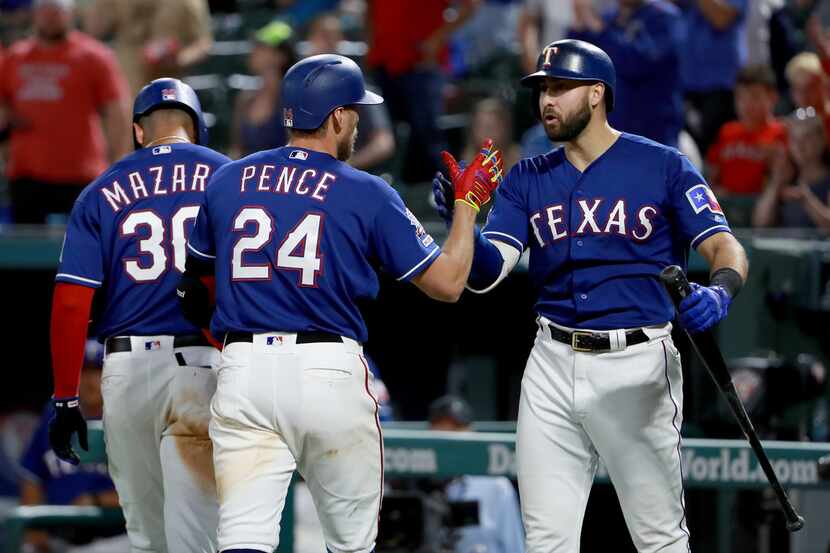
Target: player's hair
<point>314,133</point>
<point>807,62</point>
<point>166,117</point>
<point>759,74</point>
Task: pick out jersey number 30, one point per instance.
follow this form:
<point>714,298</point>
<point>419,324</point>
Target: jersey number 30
<point>153,244</point>
<point>299,250</point>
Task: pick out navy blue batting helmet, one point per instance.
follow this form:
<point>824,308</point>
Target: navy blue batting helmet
<point>316,86</point>
<point>574,60</point>
<point>167,93</point>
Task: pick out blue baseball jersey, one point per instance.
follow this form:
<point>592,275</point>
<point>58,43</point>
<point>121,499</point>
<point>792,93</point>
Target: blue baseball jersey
<point>62,482</point>
<point>297,237</point>
<point>127,234</point>
<point>599,239</point>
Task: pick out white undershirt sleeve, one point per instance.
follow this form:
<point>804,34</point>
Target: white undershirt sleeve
<point>510,257</point>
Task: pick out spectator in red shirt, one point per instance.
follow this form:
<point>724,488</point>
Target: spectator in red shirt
<point>66,100</point>
<point>739,162</point>
<point>408,43</point>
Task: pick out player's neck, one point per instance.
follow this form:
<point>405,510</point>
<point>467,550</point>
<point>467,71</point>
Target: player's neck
<point>171,136</point>
<point>324,145</point>
<point>594,141</point>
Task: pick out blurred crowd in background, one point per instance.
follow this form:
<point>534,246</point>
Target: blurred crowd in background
<point>740,86</point>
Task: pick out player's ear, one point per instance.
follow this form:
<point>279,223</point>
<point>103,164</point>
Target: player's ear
<point>338,120</point>
<point>597,94</point>
<point>139,133</point>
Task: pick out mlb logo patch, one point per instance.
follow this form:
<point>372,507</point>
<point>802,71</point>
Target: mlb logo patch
<point>287,117</point>
<point>298,154</point>
<point>152,345</point>
<point>168,94</point>
<point>160,150</point>
<point>701,198</point>
<point>273,340</point>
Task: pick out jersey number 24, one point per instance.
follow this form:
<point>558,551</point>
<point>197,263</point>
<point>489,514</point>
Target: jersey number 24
<point>299,250</point>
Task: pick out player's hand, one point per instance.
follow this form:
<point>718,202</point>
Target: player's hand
<point>66,421</point>
<point>194,300</point>
<point>444,195</point>
<point>475,185</point>
<point>704,307</point>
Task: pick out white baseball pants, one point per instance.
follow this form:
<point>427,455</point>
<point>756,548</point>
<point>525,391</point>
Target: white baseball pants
<point>281,406</point>
<point>625,407</point>
<point>156,416</point>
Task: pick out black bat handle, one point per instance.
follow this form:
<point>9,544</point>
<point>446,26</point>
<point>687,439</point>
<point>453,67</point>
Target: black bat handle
<point>676,283</point>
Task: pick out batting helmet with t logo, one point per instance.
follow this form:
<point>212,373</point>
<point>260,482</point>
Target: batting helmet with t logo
<point>575,60</point>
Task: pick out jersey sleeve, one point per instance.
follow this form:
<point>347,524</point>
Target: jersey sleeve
<point>697,213</point>
<point>201,243</point>
<point>403,246</point>
<point>82,259</point>
<point>508,219</point>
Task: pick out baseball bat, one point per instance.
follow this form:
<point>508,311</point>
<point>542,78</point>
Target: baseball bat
<point>710,355</point>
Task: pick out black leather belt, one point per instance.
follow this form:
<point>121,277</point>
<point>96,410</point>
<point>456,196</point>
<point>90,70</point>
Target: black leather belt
<point>581,340</point>
<point>124,343</point>
<point>303,337</point>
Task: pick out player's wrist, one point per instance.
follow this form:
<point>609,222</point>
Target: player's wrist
<point>728,279</point>
<point>465,202</point>
<point>66,402</point>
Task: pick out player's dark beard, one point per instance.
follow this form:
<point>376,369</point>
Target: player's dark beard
<point>572,127</point>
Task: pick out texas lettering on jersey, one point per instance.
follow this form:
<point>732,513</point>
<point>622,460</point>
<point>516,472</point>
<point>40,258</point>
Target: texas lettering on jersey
<point>297,237</point>
<point>127,234</point>
<point>551,224</point>
<point>636,209</point>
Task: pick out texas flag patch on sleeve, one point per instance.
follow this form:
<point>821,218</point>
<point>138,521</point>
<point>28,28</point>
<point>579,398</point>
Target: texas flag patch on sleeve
<point>701,197</point>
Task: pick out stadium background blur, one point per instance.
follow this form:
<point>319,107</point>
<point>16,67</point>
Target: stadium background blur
<point>742,87</point>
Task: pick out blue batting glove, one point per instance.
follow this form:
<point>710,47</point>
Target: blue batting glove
<point>443,195</point>
<point>704,307</point>
<point>441,190</point>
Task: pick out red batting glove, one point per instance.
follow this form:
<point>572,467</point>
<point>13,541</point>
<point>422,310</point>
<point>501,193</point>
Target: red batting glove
<point>475,185</point>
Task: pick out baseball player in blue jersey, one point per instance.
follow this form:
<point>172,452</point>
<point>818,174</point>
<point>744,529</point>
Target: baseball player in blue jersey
<point>296,236</point>
<point>601,216</point>
<point>126,239</point>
